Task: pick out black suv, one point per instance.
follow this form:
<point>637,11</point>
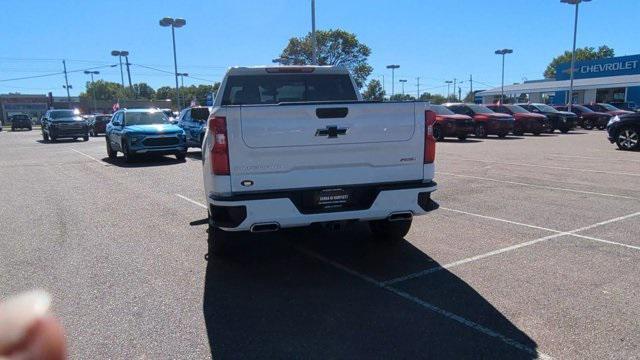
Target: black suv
<point>624,130</point>
<point>20,121</point>
<point>561,120</point>
<point>65,123</point>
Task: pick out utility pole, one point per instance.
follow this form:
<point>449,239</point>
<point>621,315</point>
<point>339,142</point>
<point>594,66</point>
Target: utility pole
<point>460,93</point>
<point>418,97</point>
<point>448,82</point>
<point>471,83</point>
<point>66,82</point>
<point>126,58</point>
<point>454,89</point>
<point>383,85</point>
<point>314,43</point>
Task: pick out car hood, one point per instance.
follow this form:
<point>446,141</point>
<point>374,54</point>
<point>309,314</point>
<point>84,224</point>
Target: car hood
<point>154,129</point>
<point>620,112</point>
<point>454,117</point>
<point>522,115</point>
<point>566,113</point>
<point>498,116</point>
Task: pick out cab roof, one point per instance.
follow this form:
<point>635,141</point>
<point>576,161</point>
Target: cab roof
<point>287,69</point>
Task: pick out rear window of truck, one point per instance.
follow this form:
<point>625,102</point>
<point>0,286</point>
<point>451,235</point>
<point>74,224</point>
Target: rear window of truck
<point>274,89</point>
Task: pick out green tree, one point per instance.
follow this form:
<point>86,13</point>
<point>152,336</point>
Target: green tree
<point>433,98</point>
<point>335,47</point>
<point>374,91</point>
<point>471,97</point>
<point>402,97</point>
<point>586,53</point>
<point>104,90</point>
<point>143,90</point>
<point>165,92</point>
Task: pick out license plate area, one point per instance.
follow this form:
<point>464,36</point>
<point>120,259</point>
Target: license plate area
<point>335,199</point>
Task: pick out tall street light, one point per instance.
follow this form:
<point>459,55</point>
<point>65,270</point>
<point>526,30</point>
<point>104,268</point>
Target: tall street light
<point>402,81</point>
<point>393,77</point>
<point>314,43</point>
<point>502,52</point>
<point>120,54</point>
<point>573,51</point>
<point>174,23</point>
<point>182,75</point>
<point>93,87</point>
<point>448,82</point>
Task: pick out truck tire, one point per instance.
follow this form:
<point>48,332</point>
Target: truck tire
<point>45,137</point>
<point>218,240</point>
<point>628,139</point>
<point>112,154</point>
<point>389,231</point>
<point>181,156</point>
<point>128,157</point>
<point>85,138</point>
<point>587,125</point>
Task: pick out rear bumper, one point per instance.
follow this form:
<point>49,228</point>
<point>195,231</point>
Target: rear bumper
<point>161,151</point>
<point>240,213</point>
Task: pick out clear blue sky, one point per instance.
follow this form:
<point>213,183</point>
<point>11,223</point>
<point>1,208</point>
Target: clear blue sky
<point>436,40</point>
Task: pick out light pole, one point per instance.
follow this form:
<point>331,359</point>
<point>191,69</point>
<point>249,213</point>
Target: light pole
<point>448,82</point>
<point>93,88</point>
<point>182,75</point>
<point>573,51</point>
<point>120,54</point>
<point>314,43</point>
<point>174,23</point>
<point>393,77</point>
<point>502,52</point>
<point>402,81</point>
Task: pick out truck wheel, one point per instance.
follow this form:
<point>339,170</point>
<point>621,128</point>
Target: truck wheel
<point>389,231</point>
<point>45,137</point>
<point>181,156</point>
<point>85,138</point>
<point>218,240</point>
<point>462,137</point>
<point>564,130</point>
<point>128,157</point>
<point>110,152</point>
<point>628,139</point>
<point>481,131</point>
<point>502,135</point>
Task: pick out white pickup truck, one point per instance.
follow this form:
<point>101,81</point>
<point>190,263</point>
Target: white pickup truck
<point>292,146</point>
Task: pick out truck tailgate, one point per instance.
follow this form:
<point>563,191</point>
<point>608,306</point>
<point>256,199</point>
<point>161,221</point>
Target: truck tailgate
<point>292,146</point>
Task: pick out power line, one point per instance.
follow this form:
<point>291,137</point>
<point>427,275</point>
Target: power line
<point>53,74</point>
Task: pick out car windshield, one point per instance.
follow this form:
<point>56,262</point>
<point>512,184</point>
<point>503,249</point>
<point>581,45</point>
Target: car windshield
<point>20,117</point>
<point>609,107</point>
<point>545,108</point>
<point>441,110</point>
<point>145,118</point>
<point>167,113</point>
<point>480,109</point>
<point>584,109</point>
<point>274,89</point>
<point>61,114</point>
<point>516,109</point>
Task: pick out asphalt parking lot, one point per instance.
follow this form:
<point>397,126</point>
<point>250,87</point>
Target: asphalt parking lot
<point>534,253</point>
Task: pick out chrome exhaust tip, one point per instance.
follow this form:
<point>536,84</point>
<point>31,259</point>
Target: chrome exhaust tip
<point>400,216</point>
<point>265,227</point>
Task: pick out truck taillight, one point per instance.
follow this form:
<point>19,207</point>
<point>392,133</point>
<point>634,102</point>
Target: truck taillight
<point>220,148</point>
<point>429,140</point>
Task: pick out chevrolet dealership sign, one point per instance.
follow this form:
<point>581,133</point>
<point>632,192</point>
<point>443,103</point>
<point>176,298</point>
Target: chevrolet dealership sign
<point>624,65</point>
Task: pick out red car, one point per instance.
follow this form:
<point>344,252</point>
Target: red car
<point>587,118</point>
<point>451,124</point>
<point>607,108</point>
<point>486,121</point>
<point>525,120</point>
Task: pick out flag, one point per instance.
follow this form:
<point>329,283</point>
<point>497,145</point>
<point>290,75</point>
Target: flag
<point>193,103</point>
<point>116,106</point>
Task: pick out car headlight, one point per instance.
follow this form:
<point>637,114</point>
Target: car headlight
<point>613,120</point>
<point>136,139</point>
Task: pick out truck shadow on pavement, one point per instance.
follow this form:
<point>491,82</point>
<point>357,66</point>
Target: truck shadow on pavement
<point>143,161</point>
<point>271,297</point>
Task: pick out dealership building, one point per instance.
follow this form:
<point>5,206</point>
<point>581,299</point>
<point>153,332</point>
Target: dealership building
<point>612,80</point>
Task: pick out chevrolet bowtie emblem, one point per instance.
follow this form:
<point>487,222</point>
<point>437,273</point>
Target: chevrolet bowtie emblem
<point>331,131</point>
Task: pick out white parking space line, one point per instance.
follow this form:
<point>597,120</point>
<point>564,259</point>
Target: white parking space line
<point>91,157</point>
<point>557,234</point>
<point>191,201</point>
<point>539,186</point>
<point>447,314</point>
<point>593,158</point>
<point>547,167</point>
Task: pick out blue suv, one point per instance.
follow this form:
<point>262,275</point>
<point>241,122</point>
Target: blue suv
<point>193,121</point>
<point>144,131</point>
